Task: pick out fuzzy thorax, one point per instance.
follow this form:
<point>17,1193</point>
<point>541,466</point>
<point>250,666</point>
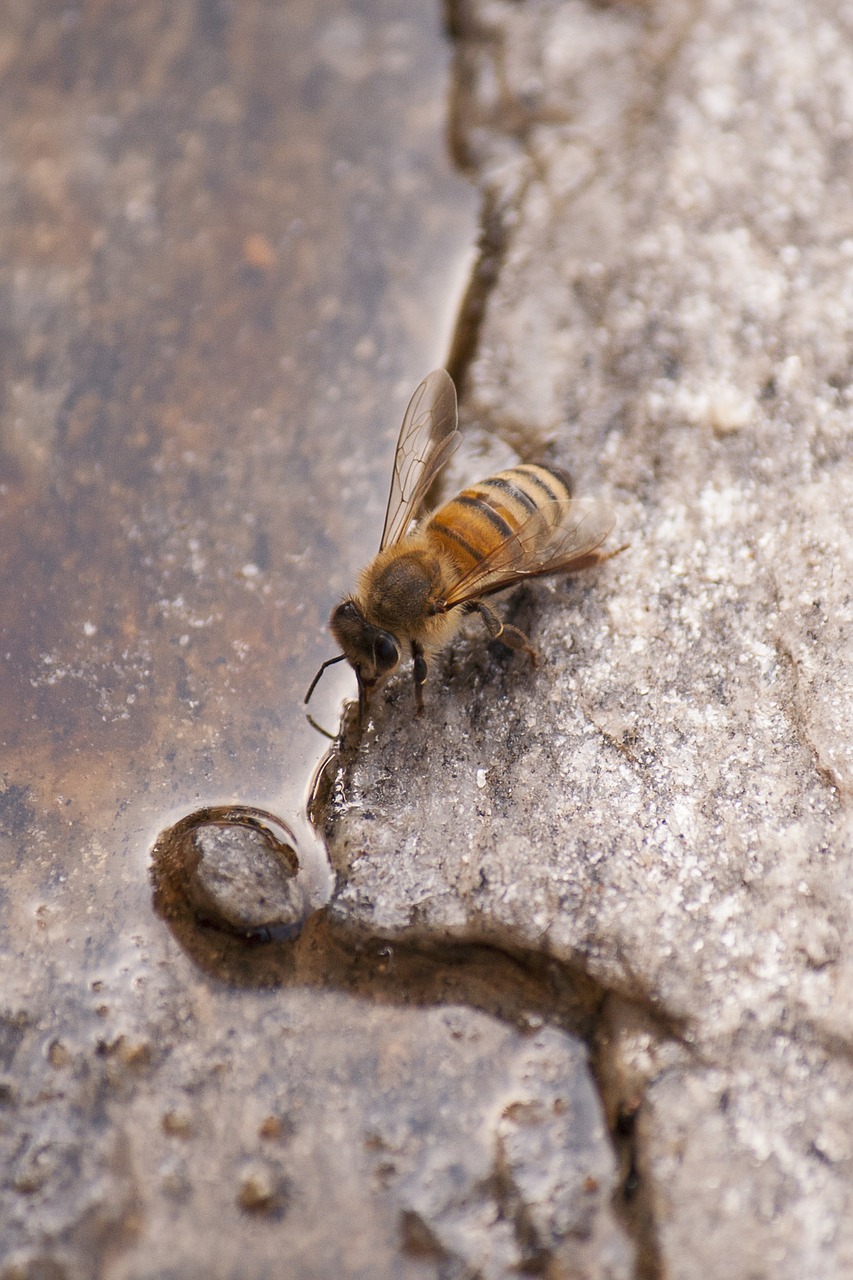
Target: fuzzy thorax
<point>399,590</point>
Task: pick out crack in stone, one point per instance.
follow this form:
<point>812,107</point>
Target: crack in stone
<point>799,719</point>
<point>523,988</point>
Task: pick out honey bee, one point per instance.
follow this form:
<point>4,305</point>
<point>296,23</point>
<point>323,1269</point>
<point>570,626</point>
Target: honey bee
<point>518,524</point>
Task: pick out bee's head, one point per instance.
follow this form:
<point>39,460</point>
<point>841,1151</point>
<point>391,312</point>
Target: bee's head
<point>371,652</point>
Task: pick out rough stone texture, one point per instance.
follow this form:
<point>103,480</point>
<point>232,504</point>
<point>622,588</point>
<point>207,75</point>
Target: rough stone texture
<point>236,869</point>
<point>330,1137</point>
<point>665,805</point>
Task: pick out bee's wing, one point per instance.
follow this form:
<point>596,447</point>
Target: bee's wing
<point>428,437</point>
<point>559,537</point>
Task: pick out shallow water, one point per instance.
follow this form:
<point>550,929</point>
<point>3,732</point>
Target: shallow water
<point>236,242</point>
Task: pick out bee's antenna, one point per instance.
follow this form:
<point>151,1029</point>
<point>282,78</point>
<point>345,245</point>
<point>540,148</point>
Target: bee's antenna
<point>314,725</point>
<point>330,662</point>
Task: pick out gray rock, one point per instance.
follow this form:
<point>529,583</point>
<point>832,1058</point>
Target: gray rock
<point>666,804</point>
<point>442,1136</point>
<point>234,868</point>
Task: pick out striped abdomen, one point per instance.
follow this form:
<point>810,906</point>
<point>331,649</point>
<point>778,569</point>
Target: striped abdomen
<point>478,520</point>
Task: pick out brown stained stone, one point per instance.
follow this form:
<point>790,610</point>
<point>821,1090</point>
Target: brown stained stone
<point>261,1190</point>
<point>177,1122</point>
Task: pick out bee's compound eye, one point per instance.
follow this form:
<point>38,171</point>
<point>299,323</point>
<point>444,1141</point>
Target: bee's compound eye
<point>385,652</point>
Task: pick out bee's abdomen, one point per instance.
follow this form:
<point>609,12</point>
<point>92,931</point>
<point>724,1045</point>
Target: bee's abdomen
<point>479,519</point>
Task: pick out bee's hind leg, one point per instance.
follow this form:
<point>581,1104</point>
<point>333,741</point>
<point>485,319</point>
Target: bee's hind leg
<point>420,669</point>
<point>502,631</point>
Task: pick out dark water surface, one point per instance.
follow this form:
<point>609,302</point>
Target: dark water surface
<point>233,243</point>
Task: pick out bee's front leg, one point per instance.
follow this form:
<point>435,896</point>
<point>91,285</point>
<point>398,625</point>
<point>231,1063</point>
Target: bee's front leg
<point>420,668</point>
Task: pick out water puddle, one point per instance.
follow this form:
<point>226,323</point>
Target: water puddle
<point>236,252</point>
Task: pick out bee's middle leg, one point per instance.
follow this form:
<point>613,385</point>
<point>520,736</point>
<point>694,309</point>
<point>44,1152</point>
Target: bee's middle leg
<point>502,631</point>
<point>420,668</point>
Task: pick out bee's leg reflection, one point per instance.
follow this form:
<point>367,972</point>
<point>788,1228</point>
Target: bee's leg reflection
<point>420,676</point>
<point>502,631</point>
<point>364,691</point>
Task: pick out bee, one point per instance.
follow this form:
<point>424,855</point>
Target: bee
<point>518,524</point>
